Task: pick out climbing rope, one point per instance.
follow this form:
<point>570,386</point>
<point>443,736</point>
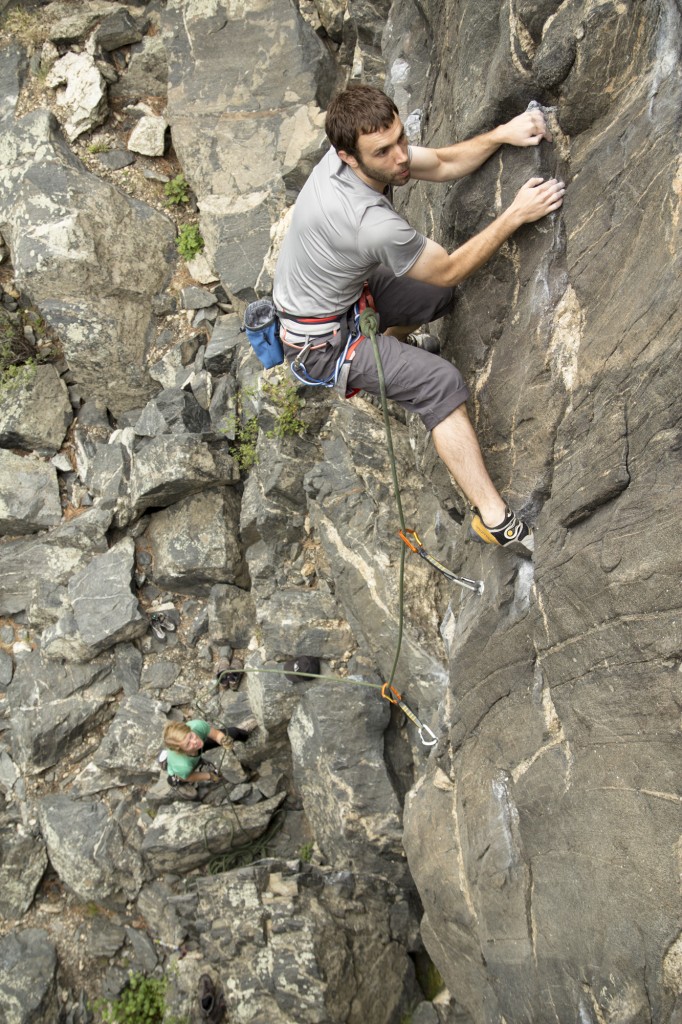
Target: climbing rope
<point>369,324</point>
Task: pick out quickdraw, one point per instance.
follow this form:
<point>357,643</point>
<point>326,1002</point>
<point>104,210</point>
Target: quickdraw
<point>415,545</point>
<point>426,735</point>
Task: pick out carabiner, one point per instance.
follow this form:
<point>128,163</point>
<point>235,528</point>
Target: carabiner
<point>418,549</point>
<point>407,710</point>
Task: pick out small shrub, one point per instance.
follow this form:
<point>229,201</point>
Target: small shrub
<point>142,1001</point>
<point>245,443</point>
<point>17,366</point>
<point>288,404</point>
<point>306,853</point>
<point>98,147</point>
<point>189,242</point>
<point>176,190</point>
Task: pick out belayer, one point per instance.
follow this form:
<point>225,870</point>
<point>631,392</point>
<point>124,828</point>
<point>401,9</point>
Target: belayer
<point>345,232</point>
<point>185,742</point>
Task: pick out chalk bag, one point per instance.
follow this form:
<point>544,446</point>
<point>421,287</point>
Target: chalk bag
<point>262,330</point>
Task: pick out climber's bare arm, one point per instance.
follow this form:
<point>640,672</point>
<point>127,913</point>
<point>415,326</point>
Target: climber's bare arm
<point>534,200</point>
<point>460,159</point>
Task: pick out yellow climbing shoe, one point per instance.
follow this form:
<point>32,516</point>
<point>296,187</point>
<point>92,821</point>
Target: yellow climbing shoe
<point>511,532</point>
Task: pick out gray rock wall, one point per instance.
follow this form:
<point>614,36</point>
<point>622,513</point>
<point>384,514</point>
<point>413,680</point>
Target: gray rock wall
<point>533,853</point>
<point>561,718</point>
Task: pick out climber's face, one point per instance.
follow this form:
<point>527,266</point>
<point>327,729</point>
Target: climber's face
<point>192,744</point>
<point>382,157</point>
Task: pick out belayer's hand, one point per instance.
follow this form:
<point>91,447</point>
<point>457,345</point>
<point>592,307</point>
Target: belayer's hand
<point>528,129</point>
<point>537,198</point>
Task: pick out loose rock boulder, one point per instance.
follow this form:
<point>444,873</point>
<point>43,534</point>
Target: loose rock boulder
<point>89,257</point>
<point>29,495</point>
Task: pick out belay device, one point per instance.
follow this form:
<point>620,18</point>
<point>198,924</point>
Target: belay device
<point>262,329</point>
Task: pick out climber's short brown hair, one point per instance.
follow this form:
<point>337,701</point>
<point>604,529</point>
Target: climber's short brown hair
<point>358,110</point>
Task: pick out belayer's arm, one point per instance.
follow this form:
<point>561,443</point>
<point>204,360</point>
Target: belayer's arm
<point>534,200</point>
<point>460,159</point>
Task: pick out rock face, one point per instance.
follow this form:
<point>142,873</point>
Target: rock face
<point>176,525</point>
<point>561,810</point>
<point>253,138</point>
<point>76,249</point>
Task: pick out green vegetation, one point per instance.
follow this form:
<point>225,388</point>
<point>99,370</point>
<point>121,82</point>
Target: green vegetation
<point>98,147</point>
<point>306,853</point>
<point>428,976</point>
<point>176,190</point>
<point>189,242</point>
<point>288,423</point>
<point>18,356</point>
<point>17,360</point>
<point>284,396</point>
<point>142,1001</point>
<point>245,443</point>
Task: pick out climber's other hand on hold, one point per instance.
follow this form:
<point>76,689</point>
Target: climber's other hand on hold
<point>527,129</point>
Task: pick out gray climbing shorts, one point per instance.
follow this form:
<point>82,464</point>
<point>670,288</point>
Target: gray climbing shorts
<point>419,381</point>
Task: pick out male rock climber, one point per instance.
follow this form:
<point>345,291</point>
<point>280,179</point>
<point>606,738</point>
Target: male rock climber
<point>345,231</point>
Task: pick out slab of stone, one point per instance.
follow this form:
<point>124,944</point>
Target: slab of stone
<point>129,749</point>
<point>173,411</point>
<point>23,864</point>
<point>197,298</point>
<point>187,837</point>
<point>116,30</point>
<point>339,767</point>
<point>54,706</point>
<point>225,337</point>
<point>36,413</point>
<point>167,469</point>
<point>32,568</point>
<point>148,137</point>
<point>83,102</point>
<point>29,495</point>
<point>69,23</point>
<point>241,195</point>
<point>88,850</point>
<point>116,159</point>
<point>28,977</point>
<point>146,73</point>
<point>195,543</point>
<point>231,615</point>
<point>56,217</point>
<point>105,609</point>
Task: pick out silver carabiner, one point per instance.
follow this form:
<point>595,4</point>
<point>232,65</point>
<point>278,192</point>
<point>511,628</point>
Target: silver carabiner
<point>427,743</point>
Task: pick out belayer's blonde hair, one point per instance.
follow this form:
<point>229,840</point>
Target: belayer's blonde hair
<point>173,735</point>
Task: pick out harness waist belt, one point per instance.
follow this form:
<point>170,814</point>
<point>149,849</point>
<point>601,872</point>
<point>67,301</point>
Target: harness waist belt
<point>331,319</point>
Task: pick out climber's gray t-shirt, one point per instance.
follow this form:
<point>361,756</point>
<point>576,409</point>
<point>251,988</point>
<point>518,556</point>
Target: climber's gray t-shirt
<point>340,231</point>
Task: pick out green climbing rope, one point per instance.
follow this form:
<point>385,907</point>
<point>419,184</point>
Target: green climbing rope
<point>369,325</point>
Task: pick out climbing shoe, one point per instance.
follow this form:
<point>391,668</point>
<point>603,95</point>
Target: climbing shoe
<point>424,341</point>
<point>211,1001</point>
<point>156,626</point>
<point>511,533</point>
<point>229,675</point>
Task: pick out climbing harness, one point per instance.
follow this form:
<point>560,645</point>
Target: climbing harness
<point>426,735</point>
<point>338,378</point>
<point>415,545</point>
